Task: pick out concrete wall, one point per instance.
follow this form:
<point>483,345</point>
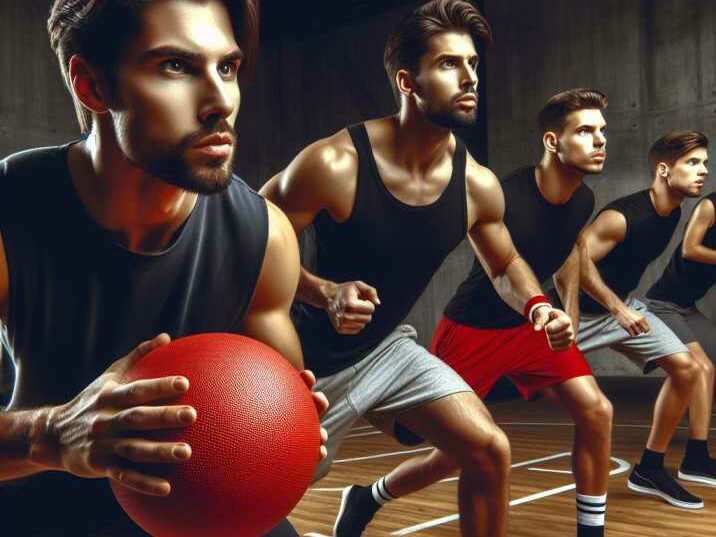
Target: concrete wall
<point>655,59</point>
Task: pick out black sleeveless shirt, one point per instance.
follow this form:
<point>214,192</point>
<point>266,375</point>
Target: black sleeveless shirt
<point>647,235</point>
<point>393,246</point>
<point>79,301</point>
<point>544,235</point>
<point>684,281</point>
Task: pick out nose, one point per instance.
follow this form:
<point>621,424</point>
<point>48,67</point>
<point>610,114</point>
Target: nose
<point>469,76</point>
<point>220,98</point>
<point>600,139</point>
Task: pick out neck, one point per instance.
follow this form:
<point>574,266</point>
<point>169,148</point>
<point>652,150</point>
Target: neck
<point>140,211</point>
<point>418,142</point>
<point>664,198</point>
<point>556,181</point>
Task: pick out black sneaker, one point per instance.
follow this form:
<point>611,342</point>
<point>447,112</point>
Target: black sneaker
<point>658,482</point>
<point>699,473</point>
<point>357,509</point>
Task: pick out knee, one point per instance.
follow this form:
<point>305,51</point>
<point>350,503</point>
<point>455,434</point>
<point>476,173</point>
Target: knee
<point>599,415</point>
<point>490,453</point>
<point>687,371</point>
<point>706,367</point>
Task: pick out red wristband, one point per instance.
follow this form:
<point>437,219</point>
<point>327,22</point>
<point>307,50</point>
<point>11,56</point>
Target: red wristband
<point>532,302</point>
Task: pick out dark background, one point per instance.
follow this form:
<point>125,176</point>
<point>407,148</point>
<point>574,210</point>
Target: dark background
<point>321,69</point>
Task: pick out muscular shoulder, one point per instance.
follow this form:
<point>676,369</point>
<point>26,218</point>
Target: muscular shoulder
<point>484,193</point>
<point>323,168</point>
<point>610,225</point>
<point>280,269</point>
<point>705,210</point>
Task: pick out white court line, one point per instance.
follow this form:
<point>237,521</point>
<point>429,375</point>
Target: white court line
<point>622,467</point>
<point>391,454</point>
<point>363,428</point>
<point>447,479</point>
<point>369,433</point>
<point>570,423</point>
<point>550,470</point>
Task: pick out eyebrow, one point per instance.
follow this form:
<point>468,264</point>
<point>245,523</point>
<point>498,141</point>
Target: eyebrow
<point>193,57</point>
<point>449,56</point>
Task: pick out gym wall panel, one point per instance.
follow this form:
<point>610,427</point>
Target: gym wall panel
<point>655,59</point>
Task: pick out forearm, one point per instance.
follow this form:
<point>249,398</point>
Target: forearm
<point>592,283</point>
<point>517,284</point>
<point>700,254</point>
<point>566,282</point>
<point>22,443</point>
<point>314,290</point>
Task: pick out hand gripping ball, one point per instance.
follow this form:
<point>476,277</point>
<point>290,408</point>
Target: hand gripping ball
<point>255,443</point>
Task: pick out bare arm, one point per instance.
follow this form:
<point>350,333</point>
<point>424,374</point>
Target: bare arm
<point>598,239</point>
<point>702,219</point>
<point>268,319</point>
<point>566,281</point>
<point>323,177</point>
<point>511,276</point>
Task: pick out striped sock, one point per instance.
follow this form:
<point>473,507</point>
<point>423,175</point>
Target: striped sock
<point>590,514</point>
<point>380,492</point>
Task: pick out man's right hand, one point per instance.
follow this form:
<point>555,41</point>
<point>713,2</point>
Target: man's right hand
<point>351,306</point>
<point>631,320</point>
<point>93,435</point>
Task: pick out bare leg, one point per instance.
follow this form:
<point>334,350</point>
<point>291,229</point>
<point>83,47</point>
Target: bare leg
<point>673,399</point>
<point>592,415</point>
<point>461,428</point>
<point>702,396</point>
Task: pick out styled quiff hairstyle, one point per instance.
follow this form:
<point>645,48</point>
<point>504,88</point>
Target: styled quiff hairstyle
<point>554,113</point>
<point>409,40</point>
<point>98,31</point>
<point>674,145</point>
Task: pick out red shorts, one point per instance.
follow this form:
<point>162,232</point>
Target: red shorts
<point>482,356</point>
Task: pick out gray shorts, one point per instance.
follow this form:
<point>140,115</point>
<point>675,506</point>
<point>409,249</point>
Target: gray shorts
<point>600,330</point>
<point>688,323</point>
<point>396,376</point>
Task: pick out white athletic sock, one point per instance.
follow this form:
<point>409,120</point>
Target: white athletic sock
<point>380,492</point>
<point>591,509</point>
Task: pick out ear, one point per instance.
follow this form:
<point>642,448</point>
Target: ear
<point>404,82</point>
<point>550,141</point>
<point>84,82</point>
<point>662,170</point>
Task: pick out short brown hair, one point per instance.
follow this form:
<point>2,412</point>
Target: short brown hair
<point>554,113</point>
<point>674,145</point>
<point>409,40</point>
<point>98,30</point>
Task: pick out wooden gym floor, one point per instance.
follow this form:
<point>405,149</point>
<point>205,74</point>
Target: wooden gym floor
<point>542,488</point>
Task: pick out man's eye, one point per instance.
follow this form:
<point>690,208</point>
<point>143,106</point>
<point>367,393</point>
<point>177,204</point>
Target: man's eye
<point>449,64</point>
<point>228,69</point>
<point>175,66</point>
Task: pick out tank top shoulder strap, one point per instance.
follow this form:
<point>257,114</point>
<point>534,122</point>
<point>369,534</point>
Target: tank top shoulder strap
<point>359,136</point>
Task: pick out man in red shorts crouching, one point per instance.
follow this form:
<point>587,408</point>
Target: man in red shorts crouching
<point>483,338</point>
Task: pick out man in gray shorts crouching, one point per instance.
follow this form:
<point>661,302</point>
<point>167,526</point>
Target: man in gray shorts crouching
<point>624,238</point>
<point>389,199</point>
<point>691,272</point>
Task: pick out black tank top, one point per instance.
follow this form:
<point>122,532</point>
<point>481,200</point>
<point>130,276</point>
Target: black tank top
<point>647,235</point>
<point>684,281</point>
<point>544,235</point>
<point>79,301</point>
<point>386,243</point>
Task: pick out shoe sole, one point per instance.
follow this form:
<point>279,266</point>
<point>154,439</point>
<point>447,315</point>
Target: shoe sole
<point>665,497</point>
<point>344,501</point>
<point>697,479</point>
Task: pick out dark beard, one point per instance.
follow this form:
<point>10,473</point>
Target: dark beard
<point>169,163</point>
<point>452,119</point>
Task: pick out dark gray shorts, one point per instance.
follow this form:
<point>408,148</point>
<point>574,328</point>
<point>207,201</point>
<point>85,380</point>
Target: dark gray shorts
<point>688,323</point>
<point>396,376</point>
